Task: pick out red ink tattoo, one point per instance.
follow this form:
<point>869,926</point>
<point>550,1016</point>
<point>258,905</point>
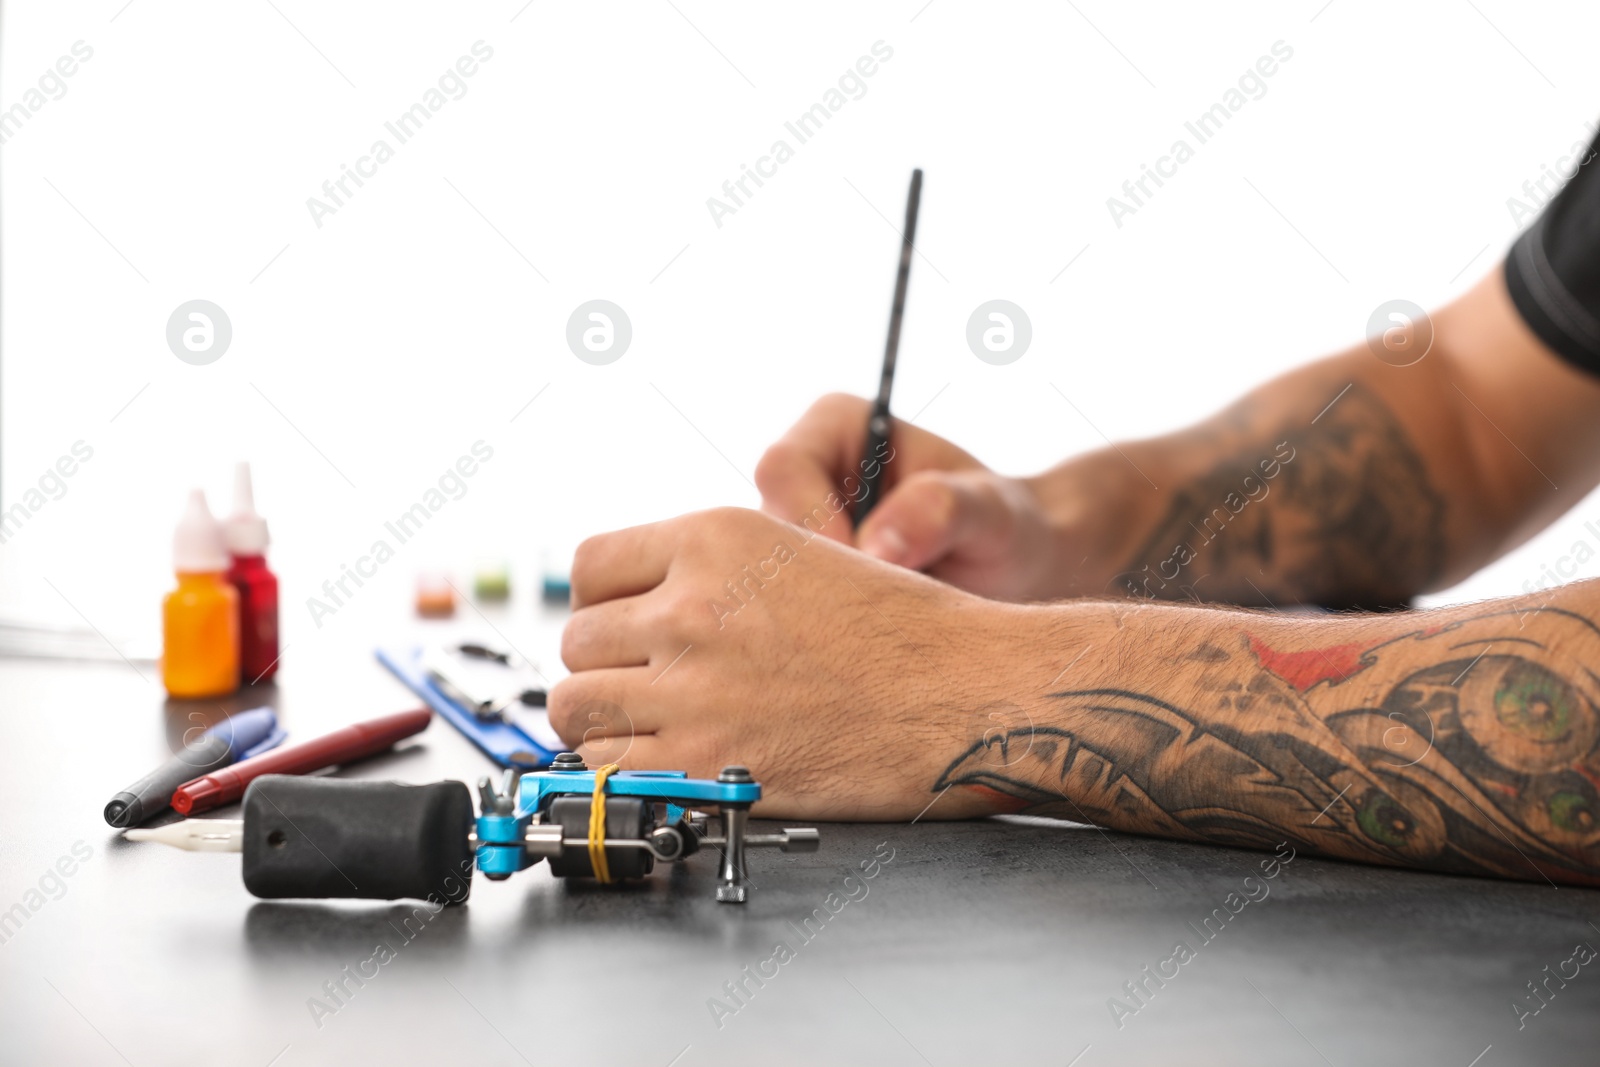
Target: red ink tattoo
<point>1305,669</point>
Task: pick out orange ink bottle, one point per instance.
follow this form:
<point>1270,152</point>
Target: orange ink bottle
<point>200,618</point>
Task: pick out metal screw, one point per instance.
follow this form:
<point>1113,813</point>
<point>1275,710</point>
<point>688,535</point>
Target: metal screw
<point>735,774</point>
<point>569,761</point>
<point>666,842</point>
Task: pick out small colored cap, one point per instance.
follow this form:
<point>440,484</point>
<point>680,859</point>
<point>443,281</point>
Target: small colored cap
<point>248,732</point>
<point>556,587</point>
<point>197,545</point>
<point>246,530</point>
<point>189,794</point>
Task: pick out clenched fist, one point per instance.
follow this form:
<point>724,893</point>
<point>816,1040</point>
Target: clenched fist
<point>847,685</point>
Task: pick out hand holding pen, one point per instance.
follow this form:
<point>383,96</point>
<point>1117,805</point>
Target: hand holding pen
<point>910,497</point>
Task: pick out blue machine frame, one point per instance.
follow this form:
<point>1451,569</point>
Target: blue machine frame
<point>508,841</point>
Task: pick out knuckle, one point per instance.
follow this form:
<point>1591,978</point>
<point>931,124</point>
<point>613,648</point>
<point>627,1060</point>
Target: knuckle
<point>679,612</point>
<point>931,497</point>
<point>1001,503</point>
<point>563,703</point>
<point>587,557</point>
<point>729,515</point>
<point>777,464</point>
<point>717,526</point>
<point>838,404</point>
<point>574,639</point>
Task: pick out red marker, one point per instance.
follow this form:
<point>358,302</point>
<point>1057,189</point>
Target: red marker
<point>350,743</point>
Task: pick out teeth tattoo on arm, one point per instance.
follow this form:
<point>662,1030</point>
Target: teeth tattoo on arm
<point>1472,746</point>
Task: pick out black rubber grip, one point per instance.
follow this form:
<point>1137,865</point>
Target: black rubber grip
<point>333,837</point>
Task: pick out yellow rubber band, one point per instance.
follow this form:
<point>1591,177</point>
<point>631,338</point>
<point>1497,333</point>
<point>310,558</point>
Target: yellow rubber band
<point>597,825</point>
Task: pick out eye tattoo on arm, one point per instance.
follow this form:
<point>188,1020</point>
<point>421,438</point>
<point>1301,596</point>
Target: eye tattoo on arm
<point>1472,746</point>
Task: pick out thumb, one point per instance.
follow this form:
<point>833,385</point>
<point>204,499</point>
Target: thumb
<point>927,516</point>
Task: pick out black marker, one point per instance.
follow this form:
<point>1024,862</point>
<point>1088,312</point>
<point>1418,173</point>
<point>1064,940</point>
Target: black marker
<point>249,733</point>
<point>879,423</point>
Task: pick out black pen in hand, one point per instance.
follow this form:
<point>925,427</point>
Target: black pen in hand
<point>879,423</point>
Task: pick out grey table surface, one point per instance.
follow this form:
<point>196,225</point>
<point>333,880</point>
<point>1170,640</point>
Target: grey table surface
<point>979,942</point>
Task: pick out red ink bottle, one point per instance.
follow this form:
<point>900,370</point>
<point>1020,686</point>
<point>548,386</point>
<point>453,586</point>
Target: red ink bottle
<point>246,533</point>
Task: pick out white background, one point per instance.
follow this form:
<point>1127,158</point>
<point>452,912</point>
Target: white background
<point>415,320</point>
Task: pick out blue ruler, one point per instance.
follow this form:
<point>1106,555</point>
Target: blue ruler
<point>502,741</point>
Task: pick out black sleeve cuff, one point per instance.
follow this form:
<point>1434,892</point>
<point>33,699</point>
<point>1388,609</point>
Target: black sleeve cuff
<point>1553,270</point>
<point>1561,320</point>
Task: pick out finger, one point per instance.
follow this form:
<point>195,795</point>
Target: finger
<point>821,457</point>
<point>673,749</point>
<point>639,752</point>
<point>796,489</point>
<point>929,515</point>
<point>623,563</point>
<point>607,634</point>
<point>803,468</point>
<point>608,703</point>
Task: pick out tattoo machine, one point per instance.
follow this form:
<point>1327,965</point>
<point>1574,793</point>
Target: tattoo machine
<point>330,837</point>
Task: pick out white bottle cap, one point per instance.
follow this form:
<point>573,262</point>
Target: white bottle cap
<point>246,531</point>
<point>197,546</point>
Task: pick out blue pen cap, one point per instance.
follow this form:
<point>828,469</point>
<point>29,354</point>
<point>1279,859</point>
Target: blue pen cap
<point>249,733</point>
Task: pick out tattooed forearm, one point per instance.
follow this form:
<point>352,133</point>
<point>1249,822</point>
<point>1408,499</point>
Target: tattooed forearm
<point>1335,509</point>
<point>1471,745</point>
